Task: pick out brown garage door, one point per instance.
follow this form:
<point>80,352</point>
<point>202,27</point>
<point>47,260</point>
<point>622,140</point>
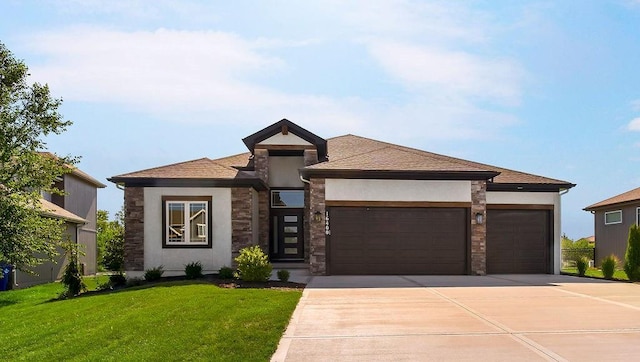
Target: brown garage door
<point>518,241</point>
<point>379,240</point>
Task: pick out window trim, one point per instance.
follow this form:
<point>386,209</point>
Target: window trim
<point>638,216</point>
<point>187,245</point>
<point>612,212</point>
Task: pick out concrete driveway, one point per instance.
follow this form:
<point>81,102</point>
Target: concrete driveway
<point>493,318</point>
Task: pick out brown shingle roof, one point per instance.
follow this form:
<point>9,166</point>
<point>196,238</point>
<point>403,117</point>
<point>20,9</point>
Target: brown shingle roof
<point>355,152</point>
<point>53,210</point>
<point>194,169</point>
<point>629,196</point>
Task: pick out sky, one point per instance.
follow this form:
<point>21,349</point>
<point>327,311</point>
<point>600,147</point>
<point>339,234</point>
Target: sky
<point>546,87</point>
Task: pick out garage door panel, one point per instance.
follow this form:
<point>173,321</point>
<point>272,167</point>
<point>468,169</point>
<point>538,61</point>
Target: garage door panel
<point>397,240</point>
<point>518,241</point>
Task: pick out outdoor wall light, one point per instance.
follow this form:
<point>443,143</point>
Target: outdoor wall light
<point>479,217</point>
<point>317,216</point>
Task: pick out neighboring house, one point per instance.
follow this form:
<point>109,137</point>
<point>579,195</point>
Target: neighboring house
<point>347,205</point>
<point>612,219</point>
<point>78,208</point>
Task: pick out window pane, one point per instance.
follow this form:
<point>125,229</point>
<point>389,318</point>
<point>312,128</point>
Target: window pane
<point>290,229</point>
<point>291,250</point>
<point>290,240</point>
<point>290,218</point>
<point>175,222</point>
<point>198,222</point>
<point>287,198</point>
<point>613,217</point>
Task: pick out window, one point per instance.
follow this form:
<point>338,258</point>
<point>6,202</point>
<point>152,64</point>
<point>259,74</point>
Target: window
<point>287,199</point>
<point>186,221</point>
<point>613,217</point>
<point>638,216</point>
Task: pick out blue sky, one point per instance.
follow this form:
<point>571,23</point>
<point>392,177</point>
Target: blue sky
<point>546,87</point>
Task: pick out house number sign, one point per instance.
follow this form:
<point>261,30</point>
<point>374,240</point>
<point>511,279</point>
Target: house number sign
<point>327,231</point>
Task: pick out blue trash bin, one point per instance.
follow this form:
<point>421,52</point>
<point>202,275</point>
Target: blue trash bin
<point>6,276</point>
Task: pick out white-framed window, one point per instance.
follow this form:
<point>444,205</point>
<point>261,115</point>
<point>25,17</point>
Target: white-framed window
<point>186,221</point>
<point>613,217</point>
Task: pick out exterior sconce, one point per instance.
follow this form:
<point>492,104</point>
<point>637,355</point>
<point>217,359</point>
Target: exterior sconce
<point>479,218</point>
<point>317,216</point>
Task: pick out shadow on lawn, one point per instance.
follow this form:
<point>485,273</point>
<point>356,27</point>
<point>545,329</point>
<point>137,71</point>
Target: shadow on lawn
<point>177,281</point>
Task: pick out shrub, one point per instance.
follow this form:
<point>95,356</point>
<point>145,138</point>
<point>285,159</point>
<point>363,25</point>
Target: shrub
<point>632,255</point>
<point>283,275</point>
<point>153,273</point>
<point>117,279</point>
<point>225,272</point>
<point>608,266</point>
<point>582,263</point>
<point>253,265</point>
<point>72,278</point>
<point>193,270</point>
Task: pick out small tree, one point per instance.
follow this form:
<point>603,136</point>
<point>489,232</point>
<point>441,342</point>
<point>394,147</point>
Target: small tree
<point>253,265</point>
<point>632,255</point>
<point>72,278</point>
<point>111,240</point>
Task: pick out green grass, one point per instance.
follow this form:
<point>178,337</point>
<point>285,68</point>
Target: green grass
<point>183,320</point>
<point>597,273</point>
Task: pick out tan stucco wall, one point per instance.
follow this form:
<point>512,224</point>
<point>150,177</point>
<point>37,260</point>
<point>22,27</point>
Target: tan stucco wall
<point>175,259</point>
<point>288,139</point>
<point>397,190</point>
<point>535,198</point>
<point>283,171</point>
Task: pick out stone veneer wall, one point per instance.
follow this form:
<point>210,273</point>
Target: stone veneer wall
<point>310,158</point>
<point>134,228</point>
<point>261,166</point>
<point>241,223</point>
<point>478,231</point>
<point>317,240</point>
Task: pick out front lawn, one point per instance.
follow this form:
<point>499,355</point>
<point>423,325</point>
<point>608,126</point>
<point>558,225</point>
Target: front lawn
<point>180,320</point>
<point>596,273</point>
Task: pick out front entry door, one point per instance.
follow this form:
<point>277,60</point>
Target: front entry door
<point>287,234</point>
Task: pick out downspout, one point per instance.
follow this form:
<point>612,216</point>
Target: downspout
<point>305,181</point>
<point>120,187</point>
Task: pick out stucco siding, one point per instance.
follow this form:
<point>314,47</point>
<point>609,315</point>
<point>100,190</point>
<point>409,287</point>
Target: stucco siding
<point>283,171</point>
<point>397,190</point>
<point>612,239</point>
<point>173,260</point>
<point>289,139</point>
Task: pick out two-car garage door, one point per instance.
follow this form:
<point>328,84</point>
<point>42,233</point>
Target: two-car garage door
<point>387,240</point>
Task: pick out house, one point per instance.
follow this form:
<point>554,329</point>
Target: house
<point>612,219</point>
<point>78,208</point>
<point>346,205</point>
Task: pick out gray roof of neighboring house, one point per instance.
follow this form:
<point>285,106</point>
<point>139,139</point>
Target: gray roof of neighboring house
<point>625,197</point>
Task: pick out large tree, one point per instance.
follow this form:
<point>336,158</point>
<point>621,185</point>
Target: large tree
<point>111,240</point>
<point>28,114</point>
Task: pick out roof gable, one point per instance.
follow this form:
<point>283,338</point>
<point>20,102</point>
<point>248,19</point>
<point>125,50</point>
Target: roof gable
<point>625,197</point>
<point>284,127</point>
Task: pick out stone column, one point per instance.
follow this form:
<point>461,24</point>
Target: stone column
<point>478,231</point>
<point>261,166</point>
<point>241,223</point>
<point>134,228</point>
<point>318,241</point>
<point>310,158</point>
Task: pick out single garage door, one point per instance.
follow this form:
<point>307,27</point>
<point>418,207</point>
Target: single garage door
<point>518,241</point>
<point>379,240</point>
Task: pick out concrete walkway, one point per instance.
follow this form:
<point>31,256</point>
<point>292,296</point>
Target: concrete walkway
<point>492,318</point>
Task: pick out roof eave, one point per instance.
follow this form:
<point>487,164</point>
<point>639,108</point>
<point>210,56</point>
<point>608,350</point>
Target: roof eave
<point>399,175</point>
<point>529,187</point>
<point>596,207</point>
<point>189,182</point>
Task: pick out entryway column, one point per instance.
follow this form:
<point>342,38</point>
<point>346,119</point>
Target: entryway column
<point>261,166</point>
<point>318,241</point>
<point>310,158</point>
<point>479,227</point>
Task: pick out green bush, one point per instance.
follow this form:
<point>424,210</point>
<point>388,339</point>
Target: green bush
<point>283,275</point>
<point>253,265</point>
<point>632,255</point>
<point>153,273</point>
<point>134,282</point>
<point>117,279</point>
<point>72,278</point>
<point>193,270</point>
<point>582,263</point>
<point>608,266</point>
<point>225,273</point>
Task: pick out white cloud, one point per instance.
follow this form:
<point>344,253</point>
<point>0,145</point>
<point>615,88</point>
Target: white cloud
<point>634,125</point>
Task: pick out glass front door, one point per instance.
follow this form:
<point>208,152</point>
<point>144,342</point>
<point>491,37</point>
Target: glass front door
<point>287,234</point>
